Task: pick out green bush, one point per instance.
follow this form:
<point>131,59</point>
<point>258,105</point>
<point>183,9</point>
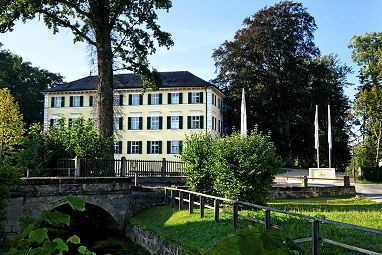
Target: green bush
<point>236,167</point>
<point>373,174</point>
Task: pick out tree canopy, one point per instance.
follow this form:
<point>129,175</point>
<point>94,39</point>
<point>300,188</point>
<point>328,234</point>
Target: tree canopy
<point>26,82</point>
<point>275,59</point>
<point>122,33</point>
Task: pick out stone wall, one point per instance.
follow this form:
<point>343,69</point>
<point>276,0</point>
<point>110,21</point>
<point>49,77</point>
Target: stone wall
<point>153,243</point>
<point>314,191</point>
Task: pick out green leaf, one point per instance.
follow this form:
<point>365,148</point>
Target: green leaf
<point>272,239</point>
<point>74,240</point>
<point>55,217</point>
<point>61,245</point>
<point>82,249</point>
<point>38,235</point>
<point>76,202</point>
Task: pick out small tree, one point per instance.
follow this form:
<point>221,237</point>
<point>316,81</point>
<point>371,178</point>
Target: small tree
<point>11,123</point>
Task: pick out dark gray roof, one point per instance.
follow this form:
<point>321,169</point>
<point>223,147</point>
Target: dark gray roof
<point>133,81</point>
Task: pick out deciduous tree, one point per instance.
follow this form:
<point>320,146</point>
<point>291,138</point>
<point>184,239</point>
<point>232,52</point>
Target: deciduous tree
<point>118,30</point>
<point>11,123</point>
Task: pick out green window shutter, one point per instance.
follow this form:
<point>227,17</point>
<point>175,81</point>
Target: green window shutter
<point>189,122</point>
<point>201,122</point>
<point>169,98</point>
<point>168,122</point>
<point>148,147</point>
<point>180,147</point>
<point>81,101</point>
<point>168,147</point>
<point>140,123</point>
<point>130,100</point>
<point>160,122</point>
<point>52,102</point>
<point>128,147</point>
<point>129,123</point>
<point>149,99</point>
<point>160,98</point>
<point>201,97</point>
<point>140,147</point>
<point>140,99</point>
<point>62,101</point>
<point>119,147</point>
<point>120,100</point>
<point>120,123</point>
<point>90,100</point>
<point>180,98</point>
<point>148,123</point>
<point>71,101</point>
<point>180,122</point>
<point>160,147</point>
<point>189,97</point>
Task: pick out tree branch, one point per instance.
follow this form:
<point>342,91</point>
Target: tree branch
<point>76,7</point>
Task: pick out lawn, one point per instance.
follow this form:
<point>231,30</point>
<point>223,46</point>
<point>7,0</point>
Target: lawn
<point>199,235</point>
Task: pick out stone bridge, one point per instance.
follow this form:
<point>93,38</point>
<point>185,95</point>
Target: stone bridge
<point>116,199</point>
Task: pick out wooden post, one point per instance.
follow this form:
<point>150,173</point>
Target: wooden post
<point>267,219</point>
<point>123,166</point>
<point>316,237</point>
<point>77,166</point>
<point>216,210</point>
<point>191,203</point>
<point>305,181</point>
<point>180,200</point>
<point>164,167</point>
<point>172,198</point>
<point>201,206</point>
<point>346,181</point>
<point>235,215</point>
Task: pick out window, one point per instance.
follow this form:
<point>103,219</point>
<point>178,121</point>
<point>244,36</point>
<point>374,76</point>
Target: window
<point>174,122</point>
<point>135,123</point>
<point>76,101</point>
<point>52,122</point>
<point>118,100</point>
<point>154,147</point>
<point>175,98</point>
<point>118,123</point>
<point>58,102</point>
<point>214,99</point>
<point>174,147</point>
<point>213,123</point>
<point>195,122</point>
<point>154,123</point>
<point>135,99</point>
<point>195,97</point>
<point>134,147</point>
<point>155,99</point>
<point>93,100</point>
<point>118,147</point>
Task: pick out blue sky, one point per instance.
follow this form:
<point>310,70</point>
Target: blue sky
<point>198,27</point>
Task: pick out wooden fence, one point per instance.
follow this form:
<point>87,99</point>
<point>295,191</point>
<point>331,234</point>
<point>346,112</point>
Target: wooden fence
<point>193,198</point>
<point>82,167</point>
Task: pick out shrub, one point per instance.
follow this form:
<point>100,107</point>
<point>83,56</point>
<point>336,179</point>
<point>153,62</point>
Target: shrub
<point>372,173</point>
<point>236,167</point>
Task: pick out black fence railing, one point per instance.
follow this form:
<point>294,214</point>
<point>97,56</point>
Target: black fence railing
<point>83,167</point>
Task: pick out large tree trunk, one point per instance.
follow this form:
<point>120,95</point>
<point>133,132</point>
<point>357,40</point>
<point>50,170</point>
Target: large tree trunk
<point>285,139</point>
<point>105,70</point>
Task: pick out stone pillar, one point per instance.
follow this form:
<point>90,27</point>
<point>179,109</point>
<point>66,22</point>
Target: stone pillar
<point>77,166</point>
<point>304,181</point>
<point>346,181</point>
<point>123,166</point>
<point>164,167</point>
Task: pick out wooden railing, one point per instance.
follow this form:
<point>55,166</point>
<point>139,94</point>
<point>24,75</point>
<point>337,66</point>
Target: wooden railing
<point>194,198</point>
<point>82,167</point>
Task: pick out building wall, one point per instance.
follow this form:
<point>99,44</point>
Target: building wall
<point>208,110</point>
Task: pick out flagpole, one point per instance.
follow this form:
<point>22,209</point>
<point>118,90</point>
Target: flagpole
<point>330,137</point>
<point>316,137</point>
<point>243,126</point>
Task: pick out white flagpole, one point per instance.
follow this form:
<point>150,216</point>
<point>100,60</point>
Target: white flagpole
<point>243,126</point>
<point>330,137</point>
<point>316,138</point>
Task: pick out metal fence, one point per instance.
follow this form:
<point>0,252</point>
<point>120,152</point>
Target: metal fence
<point>316,238</point>
<point>83,167</point>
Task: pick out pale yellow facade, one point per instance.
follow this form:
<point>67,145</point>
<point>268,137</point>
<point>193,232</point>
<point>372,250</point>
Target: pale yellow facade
<point>153,129</point>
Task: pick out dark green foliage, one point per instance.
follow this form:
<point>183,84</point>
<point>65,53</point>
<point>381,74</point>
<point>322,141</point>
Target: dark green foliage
<point>373,174</point>
<point>236,167</point>
<point>26,84</point>
<point>39,236</point>
<point>252,242</point>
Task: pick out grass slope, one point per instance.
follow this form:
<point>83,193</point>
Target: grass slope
<point>200,235</point>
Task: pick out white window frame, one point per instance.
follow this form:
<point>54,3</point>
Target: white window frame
<point>154,147</point>
<point>155,99</point>
<point>135,99</point>
<point>116,123</point>
<point>134,123</point>
<point>116,100</point>
<point>154,123</point>
<point>116,147</point>
<point>195,122</point>
<point>134,149</point>
<point>76,101</point>
<point>174,147</point>
<point>57,101</point>
<point>175,122</point>
<point>175,98</point>
<point>195,97</point>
